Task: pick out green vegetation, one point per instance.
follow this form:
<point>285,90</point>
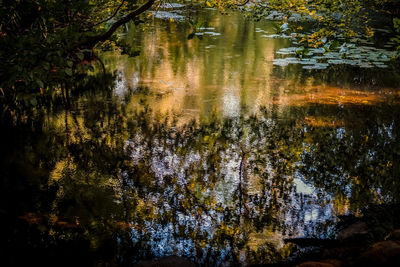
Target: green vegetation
<point>108,185</point>
<point>333,18</point>
<point>46,42</point>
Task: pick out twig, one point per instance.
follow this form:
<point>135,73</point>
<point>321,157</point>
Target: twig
<point>113,15</point>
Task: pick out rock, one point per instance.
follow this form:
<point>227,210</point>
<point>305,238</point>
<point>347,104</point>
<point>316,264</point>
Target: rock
<point>311,242</point>
<point>355,230</point>
<point>170,261</point>
<point>315,264</point>
<point>346,251</point>
<point>334,262</point>
<point>385,253</point>
<point>322,263</point>
<point>394,235</point>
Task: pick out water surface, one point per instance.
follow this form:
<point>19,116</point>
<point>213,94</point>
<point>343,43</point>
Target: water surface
<point>202,148</point>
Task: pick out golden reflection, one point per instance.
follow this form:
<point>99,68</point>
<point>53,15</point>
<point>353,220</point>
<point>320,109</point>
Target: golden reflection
<point>256,239</point>
<point>57,173</point>
<point>330,95</point>
<point>228,74</point>
<point>225,74</point>
<point>323,121</point>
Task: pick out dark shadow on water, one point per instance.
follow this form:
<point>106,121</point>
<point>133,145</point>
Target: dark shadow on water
<point>85,180</point>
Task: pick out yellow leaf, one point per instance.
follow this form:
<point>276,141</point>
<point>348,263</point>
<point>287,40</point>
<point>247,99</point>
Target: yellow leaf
<point>51,232</point>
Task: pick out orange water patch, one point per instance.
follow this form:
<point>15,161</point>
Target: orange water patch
<point>327,95</point>
<point>323,122</point>
<point>34,218</point>
<point>51,219</point>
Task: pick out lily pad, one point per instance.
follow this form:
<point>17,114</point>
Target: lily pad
<point>274,36</point>
<point>171,5</point>
<point>166,15</point>
<point>212,33</point>
<point>292,60</point>
<point>287,51</point>
<point>351,53</point>
<point>317,66</point>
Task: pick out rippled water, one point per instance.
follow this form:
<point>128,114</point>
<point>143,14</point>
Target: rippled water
<point>203,148</point>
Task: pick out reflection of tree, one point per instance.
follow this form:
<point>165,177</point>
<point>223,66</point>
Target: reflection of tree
<point>180,69</point>
<point>356,161</point>
<point>58,174</point>
<point>122,186</point>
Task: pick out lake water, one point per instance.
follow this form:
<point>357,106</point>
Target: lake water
<point>213,148</point>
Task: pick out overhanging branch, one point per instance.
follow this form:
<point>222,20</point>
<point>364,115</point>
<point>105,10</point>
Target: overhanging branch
<point>92,41</point>
<point>112,16</point>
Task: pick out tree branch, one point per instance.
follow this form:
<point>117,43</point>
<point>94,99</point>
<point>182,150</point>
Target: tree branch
<point>243,3</point>
<point>110,17</point>
<point>92,41</point>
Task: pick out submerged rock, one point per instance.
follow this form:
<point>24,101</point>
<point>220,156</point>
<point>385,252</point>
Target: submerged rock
<point>394,235</point>
<point>370,240</point>
<point>385,253</point>
<point>323,263</point>
<point>355,230</point>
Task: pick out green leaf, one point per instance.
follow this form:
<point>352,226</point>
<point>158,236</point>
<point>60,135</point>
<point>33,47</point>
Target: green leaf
<point>396,23</point>
<point>40,83</point>
<point>33,101</point>
<point>68,71</point>
<point>334,45</point>
<point>80,55</point>
<point>46,66</point>
<point>70,63</point>
<point>199,24</point>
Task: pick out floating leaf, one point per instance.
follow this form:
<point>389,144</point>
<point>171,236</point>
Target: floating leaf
<point>284,27</point>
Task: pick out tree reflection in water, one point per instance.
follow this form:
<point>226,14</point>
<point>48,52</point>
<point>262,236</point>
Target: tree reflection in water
<point>91,179</point>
